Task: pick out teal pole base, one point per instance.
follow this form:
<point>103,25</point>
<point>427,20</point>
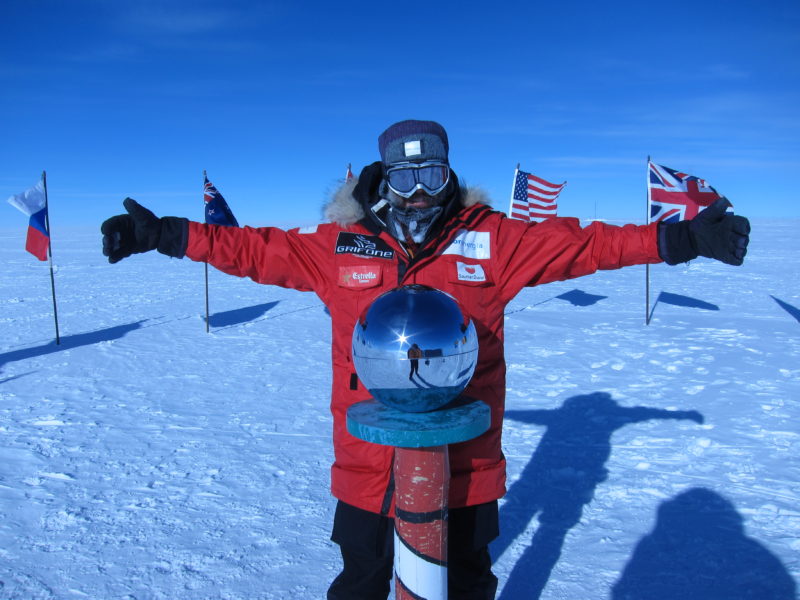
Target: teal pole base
<point>374,422</point>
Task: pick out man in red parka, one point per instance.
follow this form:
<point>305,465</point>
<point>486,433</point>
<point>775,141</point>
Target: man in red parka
<point>407,220</point>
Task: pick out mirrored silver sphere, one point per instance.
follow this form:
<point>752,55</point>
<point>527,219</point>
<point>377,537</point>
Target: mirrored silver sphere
<point>414,349</point>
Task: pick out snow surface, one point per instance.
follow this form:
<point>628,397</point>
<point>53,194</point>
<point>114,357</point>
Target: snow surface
<point>145,458</point>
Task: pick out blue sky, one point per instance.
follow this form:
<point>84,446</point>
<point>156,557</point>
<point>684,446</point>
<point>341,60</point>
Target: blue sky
<point>274,99</point>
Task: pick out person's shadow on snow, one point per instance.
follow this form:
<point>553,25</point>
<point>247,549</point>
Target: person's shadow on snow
<point>698,550</point>
<point>560,479</point>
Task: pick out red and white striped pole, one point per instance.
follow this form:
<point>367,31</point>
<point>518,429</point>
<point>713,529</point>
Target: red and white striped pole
<point>422,482</point>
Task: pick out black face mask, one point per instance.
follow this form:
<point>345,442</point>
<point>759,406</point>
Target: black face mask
<point>415,223</point>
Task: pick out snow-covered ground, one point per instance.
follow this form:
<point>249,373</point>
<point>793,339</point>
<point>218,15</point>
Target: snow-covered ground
<point>145,458</point>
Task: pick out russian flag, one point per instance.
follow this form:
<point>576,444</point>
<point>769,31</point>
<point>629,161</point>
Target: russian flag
<point>33,202</point>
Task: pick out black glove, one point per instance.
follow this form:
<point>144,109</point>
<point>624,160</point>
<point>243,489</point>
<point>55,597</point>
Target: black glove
<point>141,231</point>
<point>712,233</point>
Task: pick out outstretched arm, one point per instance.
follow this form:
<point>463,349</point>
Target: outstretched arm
<point>267,255</point>
<point>559,249</point>
<point>637,414</point>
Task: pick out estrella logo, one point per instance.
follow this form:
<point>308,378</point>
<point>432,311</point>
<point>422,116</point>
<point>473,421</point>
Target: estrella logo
<point>359,276</point>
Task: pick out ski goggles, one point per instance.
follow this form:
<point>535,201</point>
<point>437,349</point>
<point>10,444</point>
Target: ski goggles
<point>406,178</point>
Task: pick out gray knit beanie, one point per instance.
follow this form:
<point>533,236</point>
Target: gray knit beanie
<point>413,141</point>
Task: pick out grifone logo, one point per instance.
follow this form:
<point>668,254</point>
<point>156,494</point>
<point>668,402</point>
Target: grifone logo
<point>363,245</point>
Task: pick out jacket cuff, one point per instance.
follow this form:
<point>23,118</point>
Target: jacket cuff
<point>174,236</point>
<point>676,243</point>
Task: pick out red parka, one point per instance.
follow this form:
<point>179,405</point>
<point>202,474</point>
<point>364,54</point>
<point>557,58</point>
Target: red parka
<point>479,256</point>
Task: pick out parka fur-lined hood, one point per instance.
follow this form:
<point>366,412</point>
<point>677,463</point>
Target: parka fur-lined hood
<point>343,209</point>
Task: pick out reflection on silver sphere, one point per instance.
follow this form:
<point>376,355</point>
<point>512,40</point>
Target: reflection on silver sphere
<point>414,349</point>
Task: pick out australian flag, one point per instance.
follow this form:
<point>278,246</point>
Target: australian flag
<point>676,196</point>
<point>217,210</point>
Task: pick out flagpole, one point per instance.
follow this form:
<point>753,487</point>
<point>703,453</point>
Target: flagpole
<point>647,266</point>
<point>208,318</point>
<point>513,185</point>
<point>50,254</point>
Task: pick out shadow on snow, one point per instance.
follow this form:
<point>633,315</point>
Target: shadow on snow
<point>561,477</point>
<point>575,297</point>
<point>793,311</point>
<point>698,550</point>
<point>69,342</point>
<point>238,316</point>
<point>580,298</point>
<point>684,301</point>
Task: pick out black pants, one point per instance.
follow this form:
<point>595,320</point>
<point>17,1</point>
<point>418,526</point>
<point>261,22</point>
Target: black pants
<point>366,541</point>
<point>414,367</point>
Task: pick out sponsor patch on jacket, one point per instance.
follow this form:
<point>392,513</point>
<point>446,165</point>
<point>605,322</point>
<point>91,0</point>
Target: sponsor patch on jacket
<point>362,245</point>
<point>470,272</point>
<point>471,244</point>
<point>359,276</point>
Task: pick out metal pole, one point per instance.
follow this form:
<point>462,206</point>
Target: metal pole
<point>208,318</point>
<point>50,254</point>
<point>513,186</point>
<point>647,266</point>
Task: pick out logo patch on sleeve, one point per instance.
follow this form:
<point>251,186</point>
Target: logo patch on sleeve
<point>363,245</point>
<point>470,272</point>
<point>471,244</point>
<point>361,276</point>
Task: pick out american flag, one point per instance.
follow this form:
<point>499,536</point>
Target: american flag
<point>217,210</point>
<point>533,198</point>
<point>676,196</point>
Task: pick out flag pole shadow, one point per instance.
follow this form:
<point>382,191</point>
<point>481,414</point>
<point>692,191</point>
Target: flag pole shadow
<point>682,301</point>
<point>575,297</point>
<point>69,342</point>
<point>792,310</point>
<point>237,316</point>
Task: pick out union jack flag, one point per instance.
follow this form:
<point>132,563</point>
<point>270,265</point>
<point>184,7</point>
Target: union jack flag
<point>217,210</point>
<point>533,198</point>
<point>676,196</point>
